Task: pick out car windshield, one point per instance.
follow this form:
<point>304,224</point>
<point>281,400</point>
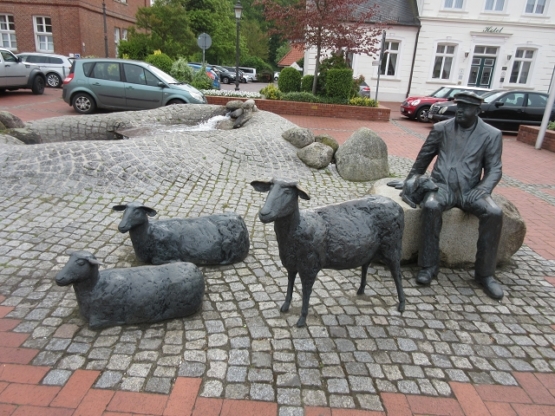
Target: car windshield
<point>494,95</point>
<point>443,92</point>
<point>163,76</point>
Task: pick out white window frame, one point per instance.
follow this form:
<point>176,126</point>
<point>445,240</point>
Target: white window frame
<point>453,5</point>
<point>40,26</point>
<point>493,6</point>
<point>387,57</point>
<point>524,63</point>
<point>535,4</point>
<point>117,38</point>
<point>7,32</point>
<point>444,55</point>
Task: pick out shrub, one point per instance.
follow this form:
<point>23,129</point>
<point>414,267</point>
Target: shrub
<point>339,83</point>
<point>258,63</point>
<point>181,71</point>
<point>160,61</point>
<point>201,81</point>
<point>306,83</point>
<point>306,97</point>
<point>266,76</point>
<point>363,101</point>
<point>551,125</point>
<point>289,80</point>
<point>271,92</point>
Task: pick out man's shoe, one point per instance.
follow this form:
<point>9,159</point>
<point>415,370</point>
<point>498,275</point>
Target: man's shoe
<point>426,274</point>
<point>491,287</point>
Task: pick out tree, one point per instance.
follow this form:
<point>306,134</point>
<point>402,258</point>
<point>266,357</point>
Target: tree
<point>326,25</point>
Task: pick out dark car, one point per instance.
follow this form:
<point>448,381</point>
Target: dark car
<point>506,110</point>
<point>242,77</point>
<point>416,107</point>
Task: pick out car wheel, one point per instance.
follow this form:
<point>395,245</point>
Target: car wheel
<point>422,114</point>
<point>83,103</point>
<point>225,80</point>
<point>38,85</point>
<point>175,101</point>
<point>53,80</point>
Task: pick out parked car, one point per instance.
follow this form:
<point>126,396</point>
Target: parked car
<point>226,76</point>
<point>15,74</point>
<point>276,76</point>
<point>364,89</point>
<point>213,75</point>
<point>55,67</point>
<point>242,76</point>
<point>249,72</point>
<point>506,110</point>
<point>416,107</point>
<point>122,84</point>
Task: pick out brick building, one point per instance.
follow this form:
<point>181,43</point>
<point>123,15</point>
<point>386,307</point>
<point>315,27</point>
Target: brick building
<point>66,26</point>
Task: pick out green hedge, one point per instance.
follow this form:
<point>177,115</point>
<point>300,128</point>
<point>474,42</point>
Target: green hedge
<point>181,71</point>
<point>339,83</point>
<point>306,83</point>
<point>289,80</point>
<point>160,61</point>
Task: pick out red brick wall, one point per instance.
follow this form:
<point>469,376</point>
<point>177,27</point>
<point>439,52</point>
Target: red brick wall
<point>529,135</point>
<point>74,22</point>
<point>311,109</point>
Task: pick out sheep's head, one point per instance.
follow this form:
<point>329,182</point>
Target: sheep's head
<point>80,266</point>
<point>282,198</point>
<point>134,214</point>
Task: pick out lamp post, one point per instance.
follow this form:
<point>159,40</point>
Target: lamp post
<point>238,10</point>
<point>105,29</point>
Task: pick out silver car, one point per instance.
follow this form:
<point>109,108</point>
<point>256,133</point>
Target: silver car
<point>122,84</point>
<point>55,67</point>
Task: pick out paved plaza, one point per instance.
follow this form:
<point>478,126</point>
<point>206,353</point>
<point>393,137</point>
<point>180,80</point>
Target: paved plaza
<point>453,351</point>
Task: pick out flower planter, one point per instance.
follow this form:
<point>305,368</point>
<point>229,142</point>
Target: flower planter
<point>529,135</point>
<point>312,109</point>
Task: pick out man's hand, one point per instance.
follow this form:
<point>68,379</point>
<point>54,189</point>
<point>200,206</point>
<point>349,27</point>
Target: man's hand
<point>476,194</point>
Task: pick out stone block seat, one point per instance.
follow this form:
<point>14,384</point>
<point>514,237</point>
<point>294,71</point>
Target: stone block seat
<point>459,233</point>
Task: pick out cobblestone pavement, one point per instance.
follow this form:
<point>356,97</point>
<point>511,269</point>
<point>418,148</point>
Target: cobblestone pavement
<point>57,197</point>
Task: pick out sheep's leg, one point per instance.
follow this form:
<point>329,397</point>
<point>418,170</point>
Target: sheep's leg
<point>395,268</point>
<point>307,291</point>
<point>290,285</point>
<point>363,279</point>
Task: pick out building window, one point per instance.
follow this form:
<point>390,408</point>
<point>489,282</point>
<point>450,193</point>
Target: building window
<point>535,6</point>
<point>443,61</point>
<point>116,38</point>
<point>521,66</point>
<point>7,32</point>
<point>43,34</point>
<point>495,5</point>
<point>453,4</point>
<point>389,59</point>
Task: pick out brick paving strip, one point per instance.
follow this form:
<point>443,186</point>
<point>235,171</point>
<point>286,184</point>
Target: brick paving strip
<point>454,351</point>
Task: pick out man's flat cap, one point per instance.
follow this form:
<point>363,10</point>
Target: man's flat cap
<point>468,97</point>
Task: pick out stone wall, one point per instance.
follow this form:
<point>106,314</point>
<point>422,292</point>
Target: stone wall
<point>529,135</point>
<point>313,109</point>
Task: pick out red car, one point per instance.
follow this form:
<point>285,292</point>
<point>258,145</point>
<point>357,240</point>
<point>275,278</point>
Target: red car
<point>417,108</point>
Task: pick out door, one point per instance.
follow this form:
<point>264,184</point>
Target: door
<point>506,112</point>
<point>106,84</point>
<point>141,88</point>
<point>534,109</point>
<point>12,72</point>
<point>481,71</point>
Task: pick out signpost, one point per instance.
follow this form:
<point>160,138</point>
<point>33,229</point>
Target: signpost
<point>204,41</point>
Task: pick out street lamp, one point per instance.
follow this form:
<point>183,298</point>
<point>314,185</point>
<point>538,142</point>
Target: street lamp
<point>238,10</point>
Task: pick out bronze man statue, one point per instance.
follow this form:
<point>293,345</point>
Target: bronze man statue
<point>467,168</point>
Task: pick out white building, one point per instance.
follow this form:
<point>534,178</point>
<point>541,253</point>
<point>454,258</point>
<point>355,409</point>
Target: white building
<point>505,44</point>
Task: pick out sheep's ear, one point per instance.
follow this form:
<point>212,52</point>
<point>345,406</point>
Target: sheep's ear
<point>119,207</point>
<point>261,186</point>
<point>151,212</point>
<point>302,193</point>
<point>94,261</point>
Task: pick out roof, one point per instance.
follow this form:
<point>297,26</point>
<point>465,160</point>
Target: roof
<point>394,12</point>
<point>296,53</point>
